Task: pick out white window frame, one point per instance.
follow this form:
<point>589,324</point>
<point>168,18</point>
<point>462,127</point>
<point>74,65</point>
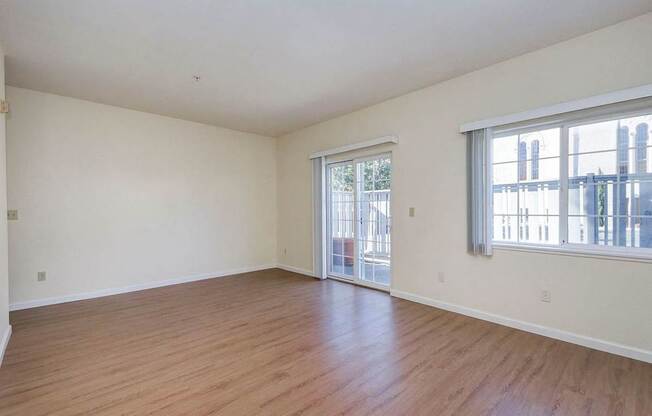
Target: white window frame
<point>564,247</point>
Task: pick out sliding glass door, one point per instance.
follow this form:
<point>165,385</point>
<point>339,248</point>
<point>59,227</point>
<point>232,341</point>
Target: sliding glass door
<point>341,219</point>
<point>359,221</point>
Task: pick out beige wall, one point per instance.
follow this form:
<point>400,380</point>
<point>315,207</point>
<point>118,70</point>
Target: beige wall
<point>4,283</point>
<point>109,197</point>
<point>605,299</point>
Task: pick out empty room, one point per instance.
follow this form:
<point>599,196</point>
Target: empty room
<point>320,207</point>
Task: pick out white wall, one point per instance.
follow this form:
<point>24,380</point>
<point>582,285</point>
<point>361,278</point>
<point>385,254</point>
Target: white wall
<point>109,197</point>
<point>4,283</point>
<point>605,299</point>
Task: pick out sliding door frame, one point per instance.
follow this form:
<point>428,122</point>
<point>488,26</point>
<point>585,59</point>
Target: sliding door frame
<point>329,224</point>
<point>327,236</point>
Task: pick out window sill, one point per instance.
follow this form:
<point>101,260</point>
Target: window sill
<point>577,252</point>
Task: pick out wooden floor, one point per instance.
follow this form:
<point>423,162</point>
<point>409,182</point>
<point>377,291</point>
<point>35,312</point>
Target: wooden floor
<point>277,343</point>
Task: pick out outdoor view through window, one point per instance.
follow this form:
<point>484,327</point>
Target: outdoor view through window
<point>608,186</point>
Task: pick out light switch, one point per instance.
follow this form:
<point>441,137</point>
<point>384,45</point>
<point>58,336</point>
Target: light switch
<point>12,214</point>
<point>412,211</point>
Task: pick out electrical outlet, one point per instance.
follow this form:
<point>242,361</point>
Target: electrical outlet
<point>40,276</point>
<point>545,296</point>
<point>441,277</point>
<point>12,214</point>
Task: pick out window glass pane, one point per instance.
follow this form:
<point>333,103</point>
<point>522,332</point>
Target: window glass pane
<point>610,192</point>
<point>381,274</point>
<point>591,198</point>
<point>603,198</point>
<point>642,198</point>
<point>505,200</point>
<point>367,171</point>
<point>505,173</point>
<point>593,137</point>
<point>610,198</point>
<point>541,170</point>
<point>590,230</point>
<point>342,229</point>
<point>382,185</point>
<point>641,232</point>
<point>539,229</point>
<point>336,264</point>
<point>505,149</point>
<point>505,228</point>
<point>631,132</point>
<point>337,246</point>
<point>367,269</point>
<point>616,231</point>
<point>383,170</point>
<point>541,144</point>
<point>593,164</point>
<point>341,178</point>
<point>526,187</point>
<point>538,198</point>
<point>347,265</point>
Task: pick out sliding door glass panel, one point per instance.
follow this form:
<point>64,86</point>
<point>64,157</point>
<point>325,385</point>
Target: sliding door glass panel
<point>374,220</point>
<point>341,225</point>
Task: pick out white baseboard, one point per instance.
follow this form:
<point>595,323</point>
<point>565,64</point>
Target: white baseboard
<point>16,306</point>
<point>296,270</point>
<point>585,341</point>
<point>4,343</point>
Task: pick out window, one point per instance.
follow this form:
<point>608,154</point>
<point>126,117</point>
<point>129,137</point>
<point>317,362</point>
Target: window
<point>582,184</point>
<point>526,187</point>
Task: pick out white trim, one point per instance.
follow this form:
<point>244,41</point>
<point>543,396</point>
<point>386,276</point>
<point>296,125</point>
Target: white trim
<point>585,341</point>
<point>611,253</point>
<point>4,343</point>
<point>641,91</point>
<point>16,306</point>
<point>362,283</point>
<point>355,146</point>
<point>298,270</point>
<point>373,156</point>
<point>324,221</point>
<point>319,207</point>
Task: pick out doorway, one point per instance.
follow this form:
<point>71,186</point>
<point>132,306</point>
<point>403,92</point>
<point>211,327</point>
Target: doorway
<point>359,221</point>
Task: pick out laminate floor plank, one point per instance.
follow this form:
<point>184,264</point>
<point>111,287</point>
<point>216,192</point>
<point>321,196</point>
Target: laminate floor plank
<point>277,343</point>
